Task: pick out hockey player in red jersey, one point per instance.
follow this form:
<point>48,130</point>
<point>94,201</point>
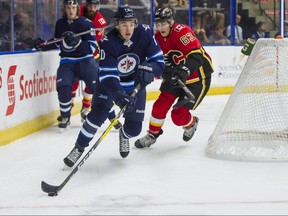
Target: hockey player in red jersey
<point>186,61</point>
<point>92,12</point>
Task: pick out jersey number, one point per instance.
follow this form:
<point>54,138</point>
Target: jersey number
<point>185,39</point>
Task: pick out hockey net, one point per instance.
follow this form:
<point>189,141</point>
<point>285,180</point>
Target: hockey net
<point>254,123</point>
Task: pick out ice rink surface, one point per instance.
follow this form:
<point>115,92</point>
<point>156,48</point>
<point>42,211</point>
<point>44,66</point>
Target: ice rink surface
<point>170,178</point>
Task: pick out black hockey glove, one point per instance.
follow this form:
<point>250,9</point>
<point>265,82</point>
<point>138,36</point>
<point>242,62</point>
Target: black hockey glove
<point>122,99</point>
<point>179,72</point>
<point>70,39</point>
<point>168,60</point>
<point>144,75</point>
<point>38,44</point>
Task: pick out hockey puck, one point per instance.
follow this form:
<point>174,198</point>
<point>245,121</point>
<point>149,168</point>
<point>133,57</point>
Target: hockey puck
<point>52,194</point>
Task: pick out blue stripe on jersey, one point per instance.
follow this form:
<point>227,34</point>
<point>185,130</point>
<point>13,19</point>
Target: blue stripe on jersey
<point>65,60</point>
<point>158,57</point>
<point>108,72</point>
<point>128,85</point>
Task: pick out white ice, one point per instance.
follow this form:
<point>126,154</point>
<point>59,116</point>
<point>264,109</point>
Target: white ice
<point>171,178</point>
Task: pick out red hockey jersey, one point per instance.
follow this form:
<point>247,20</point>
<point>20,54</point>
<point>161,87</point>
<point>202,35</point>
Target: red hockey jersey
<point>182,42</point>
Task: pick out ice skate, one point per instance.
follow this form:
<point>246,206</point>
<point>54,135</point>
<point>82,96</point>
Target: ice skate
<point>72,157</point>
<point>63,122</point>
<point>147,140</point>
<point>124,147</point>
<point>189,132</point>
<point>84,112</point>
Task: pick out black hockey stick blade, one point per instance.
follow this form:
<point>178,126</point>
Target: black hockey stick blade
<point>47,188</point>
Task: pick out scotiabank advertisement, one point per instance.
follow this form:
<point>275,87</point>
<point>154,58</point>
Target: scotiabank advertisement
<point>27,86</point>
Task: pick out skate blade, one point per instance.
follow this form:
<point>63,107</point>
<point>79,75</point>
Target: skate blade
<point>62,130</point>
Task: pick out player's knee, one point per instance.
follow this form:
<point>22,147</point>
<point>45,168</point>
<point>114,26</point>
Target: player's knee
<point>133,128</point>
<point>180,115</point>
<point>98,116</point>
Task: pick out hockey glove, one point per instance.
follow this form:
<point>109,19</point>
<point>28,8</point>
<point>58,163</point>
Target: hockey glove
<point>70,39</point>
<point>179,72</point>
<point>168,60</point>
<point>144,75</point>
<point>37,44</point>
<point>122,99</point>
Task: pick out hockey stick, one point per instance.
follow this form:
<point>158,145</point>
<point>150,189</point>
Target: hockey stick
<point>190,96</point>
<point>78,34</point>
<point>53,190</point>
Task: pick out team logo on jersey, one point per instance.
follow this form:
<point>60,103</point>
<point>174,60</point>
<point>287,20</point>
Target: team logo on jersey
<point>127,64</point>
<point>174,57</point>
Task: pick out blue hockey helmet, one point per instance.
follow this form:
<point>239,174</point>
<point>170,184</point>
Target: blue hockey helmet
<point>124,13</point>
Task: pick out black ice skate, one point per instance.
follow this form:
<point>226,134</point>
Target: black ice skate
<point>72,157</point>
<point>124,147</point>
<point>189,132</point>
<point>63,122</point>
<point>147,140</point>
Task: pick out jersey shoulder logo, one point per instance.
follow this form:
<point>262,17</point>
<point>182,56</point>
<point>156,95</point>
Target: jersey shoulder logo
<point>102,21</point>
<point>146,27</point>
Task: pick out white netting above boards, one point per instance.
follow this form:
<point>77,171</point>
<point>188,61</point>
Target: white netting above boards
<point>254,122</point>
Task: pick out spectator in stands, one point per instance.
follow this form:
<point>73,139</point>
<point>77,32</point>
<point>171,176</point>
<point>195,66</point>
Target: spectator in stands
<point>260,31</point>
<point>206,19</point>
<point>218,36</point>
<point>180,10</point>
<point>161,3</point>
<point>238,31</point>
<point>201,35</point>
<point>224,14</point>
<point>21,41</point>
<point>5,27</point>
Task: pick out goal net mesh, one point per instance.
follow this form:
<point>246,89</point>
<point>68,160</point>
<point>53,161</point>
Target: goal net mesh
<point>254,123</point>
